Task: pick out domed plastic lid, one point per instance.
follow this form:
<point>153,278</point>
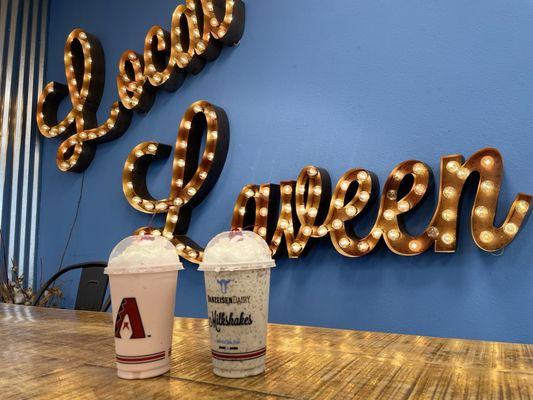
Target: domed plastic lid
<point>236,251</point>
<point>143,254</point>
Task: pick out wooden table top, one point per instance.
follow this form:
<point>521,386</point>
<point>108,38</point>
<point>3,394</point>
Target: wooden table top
<point>64,354</point>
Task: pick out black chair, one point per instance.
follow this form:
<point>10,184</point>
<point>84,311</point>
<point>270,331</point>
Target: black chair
<point>91,289</point>
<point>107,304</point>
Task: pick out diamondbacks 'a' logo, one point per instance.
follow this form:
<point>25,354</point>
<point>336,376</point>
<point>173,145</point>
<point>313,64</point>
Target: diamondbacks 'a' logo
<point>129,319</point>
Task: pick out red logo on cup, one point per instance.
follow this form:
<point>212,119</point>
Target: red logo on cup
<point>128,308</point>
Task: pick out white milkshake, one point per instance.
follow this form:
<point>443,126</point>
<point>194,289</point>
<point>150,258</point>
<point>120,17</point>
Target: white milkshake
<point>237,282</point>
<point>143,274</point>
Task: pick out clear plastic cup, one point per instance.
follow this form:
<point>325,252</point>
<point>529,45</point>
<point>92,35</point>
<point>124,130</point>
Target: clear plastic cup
<point>143,274</point>
<point>236,269</point>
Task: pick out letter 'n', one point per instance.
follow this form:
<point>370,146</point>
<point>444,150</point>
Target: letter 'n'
<point>128,307</point>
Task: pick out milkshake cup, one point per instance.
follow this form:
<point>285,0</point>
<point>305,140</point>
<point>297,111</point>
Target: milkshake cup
<point>236,269</point>
<point>143,274</point>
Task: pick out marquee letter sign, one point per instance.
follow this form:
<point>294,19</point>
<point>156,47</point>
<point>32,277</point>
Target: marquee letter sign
<point>303,216</point>
<point>198,31</point>
<point>191,179</point>
<point>298,211</point>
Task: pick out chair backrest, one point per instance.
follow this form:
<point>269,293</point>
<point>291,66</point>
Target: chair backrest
<point>91,288</point>
<point>107,304</point>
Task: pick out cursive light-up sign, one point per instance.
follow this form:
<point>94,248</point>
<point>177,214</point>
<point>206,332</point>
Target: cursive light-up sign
<point>296,212</point>
<point>292,213</point>
<point>193,175</point>
<point>308,211</point>
<point>198,31</point>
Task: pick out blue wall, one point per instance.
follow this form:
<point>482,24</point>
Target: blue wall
<point>337,84</point>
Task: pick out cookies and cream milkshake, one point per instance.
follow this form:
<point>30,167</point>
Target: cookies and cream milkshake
<point>143,274</point>
<point>237,282</point>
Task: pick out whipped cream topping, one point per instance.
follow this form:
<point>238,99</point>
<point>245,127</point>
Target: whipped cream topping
<point>237,248</point>
<point>144,254</point>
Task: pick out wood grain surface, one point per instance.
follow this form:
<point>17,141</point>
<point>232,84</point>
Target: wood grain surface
<point>64,354</point>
